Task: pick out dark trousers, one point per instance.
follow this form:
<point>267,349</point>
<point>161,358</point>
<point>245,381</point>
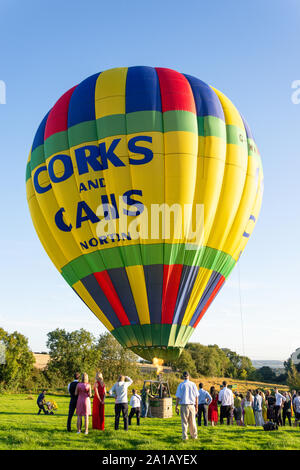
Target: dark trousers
<point>202,410</point>
<point>137,412</point>
<point>42,408</point>
<point>278,419</point>
<point>72,408</point>
<point>287,415</point>
<point>225,413</point>
<point>146,409</point>
<point>124,408</point>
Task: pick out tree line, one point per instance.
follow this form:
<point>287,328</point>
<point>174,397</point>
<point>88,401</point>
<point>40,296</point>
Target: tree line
<point>79,350</point>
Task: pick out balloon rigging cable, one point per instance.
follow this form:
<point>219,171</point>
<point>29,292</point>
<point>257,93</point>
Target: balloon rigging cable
<point>241,308</point>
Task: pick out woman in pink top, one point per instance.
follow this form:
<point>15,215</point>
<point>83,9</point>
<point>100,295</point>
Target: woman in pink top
<point>83,408</point>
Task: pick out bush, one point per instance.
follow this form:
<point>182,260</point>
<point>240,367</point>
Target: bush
<point>173,380</point>
<point>36,382</point>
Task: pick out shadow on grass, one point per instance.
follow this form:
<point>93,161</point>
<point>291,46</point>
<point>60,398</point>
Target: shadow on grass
<point>22,413</point>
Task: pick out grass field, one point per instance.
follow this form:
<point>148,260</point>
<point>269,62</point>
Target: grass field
<point>22,428</point>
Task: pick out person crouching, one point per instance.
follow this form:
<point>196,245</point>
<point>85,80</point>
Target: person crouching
<point>135,403</point>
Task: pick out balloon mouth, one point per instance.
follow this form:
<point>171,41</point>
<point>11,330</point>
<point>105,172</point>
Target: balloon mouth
<point>149,352</point>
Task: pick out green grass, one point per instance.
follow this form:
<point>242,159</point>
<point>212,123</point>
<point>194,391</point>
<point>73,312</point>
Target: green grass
<point>22,428</point>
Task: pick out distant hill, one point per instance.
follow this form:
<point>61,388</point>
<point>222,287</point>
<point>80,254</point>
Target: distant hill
<point>264,363</point>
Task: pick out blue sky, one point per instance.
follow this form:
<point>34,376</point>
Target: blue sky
<point>248,50</point>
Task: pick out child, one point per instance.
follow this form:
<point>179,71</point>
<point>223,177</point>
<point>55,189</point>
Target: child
<point>135,403</point>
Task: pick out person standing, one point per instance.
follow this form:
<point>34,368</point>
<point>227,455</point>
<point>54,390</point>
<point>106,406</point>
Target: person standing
<point>145,397</point>
<point>135,403</point>
<point>83,407</point>
<point>270,399</point>
<point>98,402</point>
<point>257,408</point>
<point>264,406</point>
<point>237,411</point>
<point>187,397</point>
<point>73,399</point>
<point>280,399</point>
<point>287,409</point>
<point>204,400</point>
<point>296,407</point>
<point>247,406</point>
<point>213,407</point>
<point>227,402</point>
<point>119,391</point>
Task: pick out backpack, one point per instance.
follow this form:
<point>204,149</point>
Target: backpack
<point>270,426</point>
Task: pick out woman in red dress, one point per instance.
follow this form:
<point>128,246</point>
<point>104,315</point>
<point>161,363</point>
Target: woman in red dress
<point>98,402</point>
<point>213,407</point>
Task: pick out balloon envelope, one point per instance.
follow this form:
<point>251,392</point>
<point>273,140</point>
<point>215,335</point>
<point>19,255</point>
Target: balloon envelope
<point>119,170</point>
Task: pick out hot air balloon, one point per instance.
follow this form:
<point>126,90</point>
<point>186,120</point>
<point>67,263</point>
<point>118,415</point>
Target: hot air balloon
<point>112,149</point>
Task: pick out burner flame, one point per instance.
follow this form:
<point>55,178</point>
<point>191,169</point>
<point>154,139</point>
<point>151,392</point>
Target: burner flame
<point>158,363</point>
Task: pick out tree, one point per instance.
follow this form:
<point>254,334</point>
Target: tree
<point>209,360</point>
<point>114,359</point>
<point>288,364</point>
<point>281,378</point>
<point>19,359</point>
<point>298,365</point>
<point>240,366</point>
<point>197,352</point>
<point>72,352</point>
<point>266,374</point>
<point>293,378</point>
<point>219,360</point>
<point>243,374</point>
<point>185,362</point>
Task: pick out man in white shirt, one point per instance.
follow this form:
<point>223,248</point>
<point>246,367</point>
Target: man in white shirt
<point>187,397</point>
<point>119,391</point>
<point>278,405</point>
<point>226,399</point>
<point>135,403</point>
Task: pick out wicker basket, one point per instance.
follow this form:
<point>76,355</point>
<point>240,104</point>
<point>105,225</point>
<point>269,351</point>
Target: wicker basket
<point>161,407</point>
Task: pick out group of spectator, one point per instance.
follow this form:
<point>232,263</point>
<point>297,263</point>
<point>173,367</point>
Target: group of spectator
<point>253,409</point>
<point>80,402</point>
